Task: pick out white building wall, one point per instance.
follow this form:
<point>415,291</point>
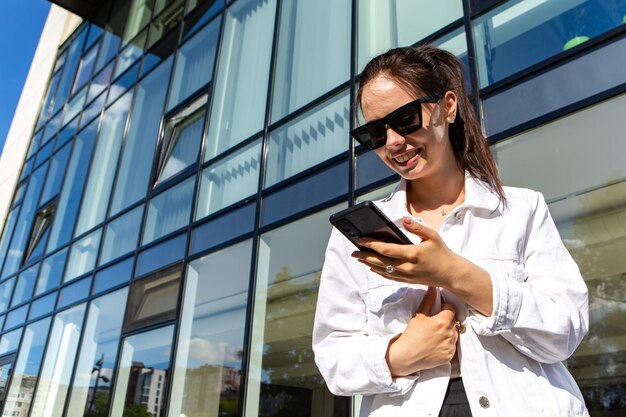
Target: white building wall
<point>59,26</point>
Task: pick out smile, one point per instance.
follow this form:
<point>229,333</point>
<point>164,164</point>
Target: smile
<point>401,159</point>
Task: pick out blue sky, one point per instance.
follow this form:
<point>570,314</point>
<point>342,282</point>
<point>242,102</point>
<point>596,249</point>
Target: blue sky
<point>21,22</point>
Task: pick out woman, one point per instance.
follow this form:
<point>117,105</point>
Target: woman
<point>475,318</point>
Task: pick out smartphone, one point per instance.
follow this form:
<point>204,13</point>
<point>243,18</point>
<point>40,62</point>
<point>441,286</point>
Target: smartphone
<point>366,220</point>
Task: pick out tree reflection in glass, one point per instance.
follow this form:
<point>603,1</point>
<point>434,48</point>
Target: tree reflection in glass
<point>283,378</point>
<point>207,376</point>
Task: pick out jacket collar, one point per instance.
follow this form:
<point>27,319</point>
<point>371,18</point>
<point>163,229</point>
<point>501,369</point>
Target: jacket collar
<point>478,195</point>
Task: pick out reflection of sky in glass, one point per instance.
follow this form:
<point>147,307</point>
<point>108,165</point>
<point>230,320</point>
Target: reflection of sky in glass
<point>151,349</point>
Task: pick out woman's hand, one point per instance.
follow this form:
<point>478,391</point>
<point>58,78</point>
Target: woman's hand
<point>428,340</point>
<point>429,263</point>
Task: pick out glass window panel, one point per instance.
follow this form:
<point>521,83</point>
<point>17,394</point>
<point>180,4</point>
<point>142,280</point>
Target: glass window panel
<point>44,153</point>
<point>74,292</point>
<point>207,375</point>
<point>594,74</point>
<point>25,285</point>
<point>67,133</point>
<point>6,289</point>
<point>238,109</point>
<point>100,82</point>
<point>383,25</point>
<point>139,14</point>
<point>21,235</point>
<point>141,138</point>
<point>20,394</point>
<point>82,256</point>
<point>52,128</point>
<point>48,106</point>
<point>370,169</point>
<point>54,178</point>
<point>182,139</point>
<point>5,373</point>
<point>16,317</point>
<point>114,275</point>
<point>10,341</point>
<point>34,143</point>
<point>229,226</point>
<point>306,194</point>
<point>166,21</point>
<point>110,45</point>
<point>42,306</point>
<point>144,363</point>
<point>85,68</point>
<point>131,53</point>
<point>198,13</point>
<point>162,50</point>
<point>229,180</point>
<point>51,272</point>
<point>121,235</point>
<point>503,35</point>
<point>163,254</point>
<point>67,208</point>
<point>91,387</point>
<point>169,211</point>
<point>8,233</point>
<point>596,241</point>
<point>456,43</point>
<point>93,110</point>
<point>40,232</point>
<point>95,30</point>
<point>153,299</point>
<point>76,104</point>
<point>28,166</point>
<point>123,83</point>
<point>281,358</point>
<point>310,139</point>
<point>71,63</point>
<point>304,51</point>
<point>104,162</point>
<point>19,194</point>
<point>194,63</point>
<point>49,399</point>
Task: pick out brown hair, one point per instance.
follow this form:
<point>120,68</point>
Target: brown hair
<point>435,71</point>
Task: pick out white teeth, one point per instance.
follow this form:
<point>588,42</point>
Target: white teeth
<point>406,156</point>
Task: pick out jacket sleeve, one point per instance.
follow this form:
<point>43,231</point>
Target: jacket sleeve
<point>350,360</point>
<point>545,315</point>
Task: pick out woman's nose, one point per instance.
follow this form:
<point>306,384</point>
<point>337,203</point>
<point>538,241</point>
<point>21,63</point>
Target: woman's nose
<point>394,138</point>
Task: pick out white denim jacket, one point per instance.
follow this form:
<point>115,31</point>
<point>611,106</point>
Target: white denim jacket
<point>510,361</point>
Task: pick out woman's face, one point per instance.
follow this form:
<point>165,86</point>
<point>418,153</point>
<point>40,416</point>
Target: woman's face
<point>423,153</point>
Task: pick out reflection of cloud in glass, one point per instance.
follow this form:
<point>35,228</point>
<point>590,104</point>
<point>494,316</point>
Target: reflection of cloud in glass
<point>122,105</point>
<point>212,353</point>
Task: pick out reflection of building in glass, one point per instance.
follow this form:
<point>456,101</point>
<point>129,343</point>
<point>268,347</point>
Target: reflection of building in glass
<point>146,387</point>
<point>209,385</point>
<point>172,166</point>
<point>22,400</point>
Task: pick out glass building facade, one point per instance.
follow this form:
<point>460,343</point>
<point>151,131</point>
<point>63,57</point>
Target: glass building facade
<point>163,246</point>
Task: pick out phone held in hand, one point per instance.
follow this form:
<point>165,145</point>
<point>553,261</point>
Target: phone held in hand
<point>366,220</point>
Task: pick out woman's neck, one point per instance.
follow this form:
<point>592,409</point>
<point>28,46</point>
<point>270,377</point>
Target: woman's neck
<point>433,193</point>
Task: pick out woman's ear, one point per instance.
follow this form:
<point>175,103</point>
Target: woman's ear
<point>450,103</point>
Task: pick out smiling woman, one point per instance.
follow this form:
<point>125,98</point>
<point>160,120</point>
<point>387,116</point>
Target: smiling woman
<point>485,279</point>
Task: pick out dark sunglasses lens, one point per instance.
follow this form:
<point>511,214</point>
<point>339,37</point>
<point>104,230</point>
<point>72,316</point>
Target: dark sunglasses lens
<point>371,136</point>
<point>406,120</point>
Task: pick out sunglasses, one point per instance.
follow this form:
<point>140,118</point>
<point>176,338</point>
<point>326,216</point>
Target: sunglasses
<point>404,120</point>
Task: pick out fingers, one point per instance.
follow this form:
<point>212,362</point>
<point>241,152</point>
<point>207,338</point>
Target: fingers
<point>425,232</point>
<point>448,313</point>
<point>427,302</point>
